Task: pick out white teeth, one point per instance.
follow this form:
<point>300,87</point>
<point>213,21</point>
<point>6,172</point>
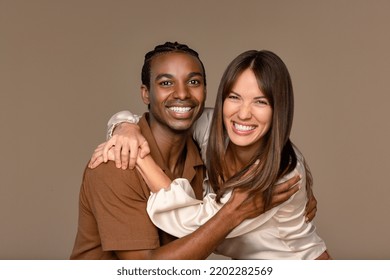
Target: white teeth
<point>180,109</point>
<point>243,127</point>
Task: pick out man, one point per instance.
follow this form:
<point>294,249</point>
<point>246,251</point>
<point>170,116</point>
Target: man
<point>113,222</point>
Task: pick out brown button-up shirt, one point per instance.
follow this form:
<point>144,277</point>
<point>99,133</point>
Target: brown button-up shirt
<point>112,205</point>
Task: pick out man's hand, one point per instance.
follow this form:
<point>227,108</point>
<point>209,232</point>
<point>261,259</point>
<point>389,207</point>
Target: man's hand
<point>311,208</point>
<point>126,144</point>
<point>282,192</point>
<point>247,204</point>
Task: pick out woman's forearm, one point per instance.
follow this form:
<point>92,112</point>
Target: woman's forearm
<point>153,175</point>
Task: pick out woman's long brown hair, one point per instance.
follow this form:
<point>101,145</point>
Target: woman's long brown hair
<point>277,157</point>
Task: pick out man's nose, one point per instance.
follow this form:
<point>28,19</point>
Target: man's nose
<point>181,92</point>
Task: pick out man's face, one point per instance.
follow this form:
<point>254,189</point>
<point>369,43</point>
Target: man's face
<point>177,91</point>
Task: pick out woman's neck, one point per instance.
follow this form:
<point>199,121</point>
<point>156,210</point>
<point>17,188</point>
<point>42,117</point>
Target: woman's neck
<point>238,157</point>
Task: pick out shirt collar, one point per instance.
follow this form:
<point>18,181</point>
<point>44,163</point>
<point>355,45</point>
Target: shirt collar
<point>192,160</point>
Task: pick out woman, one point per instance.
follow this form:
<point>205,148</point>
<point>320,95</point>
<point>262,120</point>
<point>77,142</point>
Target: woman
<point>248,147</point>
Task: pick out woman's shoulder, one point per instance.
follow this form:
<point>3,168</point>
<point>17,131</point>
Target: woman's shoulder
<point>206,116</point>
<point>299,168</point>
<point>300,159</point>
<point>299,154</point>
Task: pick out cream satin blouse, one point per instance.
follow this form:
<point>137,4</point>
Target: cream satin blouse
<point>280,233</point>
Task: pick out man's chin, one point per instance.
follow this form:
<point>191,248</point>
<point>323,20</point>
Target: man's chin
<point>182,126</point>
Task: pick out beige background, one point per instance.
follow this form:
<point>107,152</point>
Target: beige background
<point>67,66</point>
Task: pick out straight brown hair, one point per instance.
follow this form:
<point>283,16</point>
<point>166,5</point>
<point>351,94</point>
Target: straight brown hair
<point>277,157</point>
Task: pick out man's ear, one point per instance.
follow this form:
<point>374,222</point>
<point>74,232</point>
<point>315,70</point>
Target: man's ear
<point>145,94</point>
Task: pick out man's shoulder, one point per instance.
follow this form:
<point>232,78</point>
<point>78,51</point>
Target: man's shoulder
<point>107,177</point>
<point>103,169</point>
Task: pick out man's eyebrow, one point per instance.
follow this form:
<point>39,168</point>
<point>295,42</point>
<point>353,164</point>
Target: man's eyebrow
<point>193,74</point>
<point>164,75</point>
<point>169,76</point>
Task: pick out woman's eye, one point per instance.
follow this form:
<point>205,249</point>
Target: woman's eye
<point>262,102</point>
<point>232,96</point>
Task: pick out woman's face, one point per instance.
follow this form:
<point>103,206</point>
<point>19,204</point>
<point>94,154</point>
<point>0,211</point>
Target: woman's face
<point>247,113</point>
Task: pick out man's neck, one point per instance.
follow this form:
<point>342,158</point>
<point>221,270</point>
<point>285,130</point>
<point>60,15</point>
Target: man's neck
<point>172,147</point>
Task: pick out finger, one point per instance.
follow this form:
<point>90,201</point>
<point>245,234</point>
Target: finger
<point>310,215</point>
<point>144,149</point>
<point>311,208</point>
<point>281,197</point>
<point>99,149</point>
<point>90,164</point>
<point>96,162</point>
<point>293,189</point>
<point>96,153</point>
<point>133,155</point>
<point>285,186</point>
<point>124,159</point>
<point>238,196</point>
<point>107,146</point>
<point>101,145</point>
<point>117,153</point>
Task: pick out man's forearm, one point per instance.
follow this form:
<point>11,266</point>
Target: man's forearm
<point>202,242</point>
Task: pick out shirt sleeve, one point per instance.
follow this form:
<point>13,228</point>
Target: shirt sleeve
<point>118,118</point>
<point>118,203</point>
<point>176,211</point>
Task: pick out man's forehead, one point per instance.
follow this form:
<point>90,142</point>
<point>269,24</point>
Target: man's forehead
<point>175,62</point>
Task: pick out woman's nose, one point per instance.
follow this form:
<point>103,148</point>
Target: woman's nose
<point>244,112</point>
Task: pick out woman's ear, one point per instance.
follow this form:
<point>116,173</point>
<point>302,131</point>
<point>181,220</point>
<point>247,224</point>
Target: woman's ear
<point>145,94</point>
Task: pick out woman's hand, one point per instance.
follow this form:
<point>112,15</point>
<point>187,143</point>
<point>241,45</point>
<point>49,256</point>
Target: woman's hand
<point>124,147</point>
<point>97,156</point>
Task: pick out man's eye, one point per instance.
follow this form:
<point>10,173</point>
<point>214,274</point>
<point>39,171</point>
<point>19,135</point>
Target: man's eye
<point>194,82</point>
<point>165,83</point>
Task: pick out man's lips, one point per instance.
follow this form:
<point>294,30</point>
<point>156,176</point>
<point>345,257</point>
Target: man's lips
<point>180,109</point>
